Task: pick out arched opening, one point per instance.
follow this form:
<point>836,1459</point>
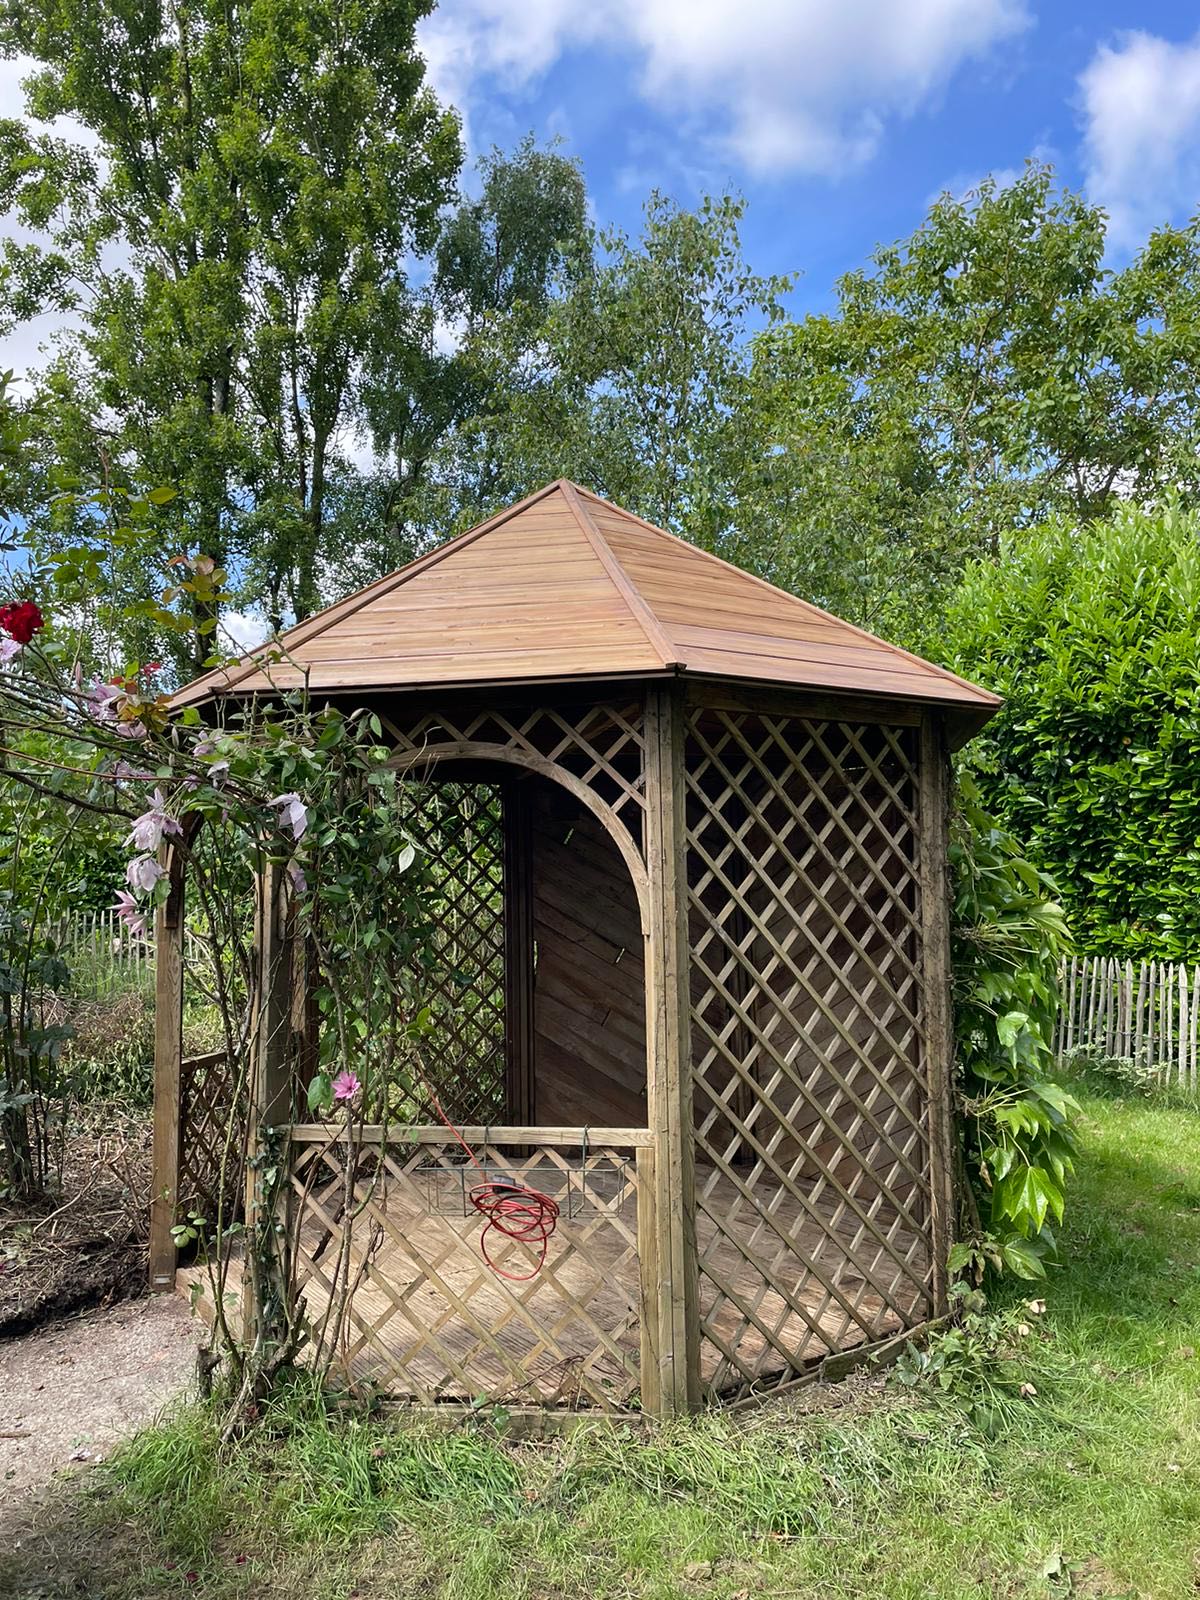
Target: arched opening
<point>539,975</point>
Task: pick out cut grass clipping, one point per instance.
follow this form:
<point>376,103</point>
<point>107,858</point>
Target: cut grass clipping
<point>952,1483</point>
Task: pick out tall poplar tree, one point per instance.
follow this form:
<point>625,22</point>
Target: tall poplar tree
<point>231,240</point>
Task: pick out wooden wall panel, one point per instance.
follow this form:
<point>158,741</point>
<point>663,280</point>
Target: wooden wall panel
<point>589,998</point>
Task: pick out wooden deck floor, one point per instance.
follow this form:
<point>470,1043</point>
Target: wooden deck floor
<point>431,1322</point>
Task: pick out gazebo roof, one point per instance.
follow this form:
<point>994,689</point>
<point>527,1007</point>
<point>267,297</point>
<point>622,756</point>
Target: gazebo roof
<point>564,586</point>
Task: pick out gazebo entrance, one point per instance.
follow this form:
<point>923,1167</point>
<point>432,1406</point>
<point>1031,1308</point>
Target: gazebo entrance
<point>692,987</point>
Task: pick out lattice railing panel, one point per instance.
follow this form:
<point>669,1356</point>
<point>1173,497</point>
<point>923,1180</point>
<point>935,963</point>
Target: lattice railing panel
<point>211,1132</point>
<point>812,1157</point>
<point>600,745</point>
<point>429,1321</point>
<point>460,830</point>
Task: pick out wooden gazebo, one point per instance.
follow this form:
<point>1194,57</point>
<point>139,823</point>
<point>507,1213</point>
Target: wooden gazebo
<point>701,979</point>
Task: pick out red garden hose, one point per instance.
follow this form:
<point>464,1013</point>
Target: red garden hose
<point>513,1210</point>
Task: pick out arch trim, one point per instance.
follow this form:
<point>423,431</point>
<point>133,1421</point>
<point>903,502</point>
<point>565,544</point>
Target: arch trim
<point>483,750</point>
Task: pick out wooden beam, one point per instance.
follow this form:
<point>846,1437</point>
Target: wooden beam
<point>398,1133</point>
<point>168,1058</point>
<point>270,1097</point>
<point>520,1079</point>
<point>937,1010</point>
<point>763,700</point>
<point>668,1055</point>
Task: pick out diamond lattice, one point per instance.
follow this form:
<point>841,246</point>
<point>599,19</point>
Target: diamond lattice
<point>812,1166</point>
<point>429,1321</point>
<point>460,829</point>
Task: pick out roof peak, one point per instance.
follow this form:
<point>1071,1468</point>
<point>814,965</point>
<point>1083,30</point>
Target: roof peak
<point>563,584</point>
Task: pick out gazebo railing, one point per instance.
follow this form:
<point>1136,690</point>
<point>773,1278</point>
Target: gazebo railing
<point>396,1248</point>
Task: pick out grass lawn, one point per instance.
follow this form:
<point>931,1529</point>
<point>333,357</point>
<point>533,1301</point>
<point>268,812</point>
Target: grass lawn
<point>1091,1488</point>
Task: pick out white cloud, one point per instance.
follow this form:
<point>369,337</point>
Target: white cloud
<point>244,630</point>
<point>791,85</point>
<point>1140,99</point>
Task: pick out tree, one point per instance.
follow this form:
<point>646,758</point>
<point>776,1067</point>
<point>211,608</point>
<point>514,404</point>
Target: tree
<point>498,259</point>
<point>981,375</point>
<point>1092,634</point>
<point>234,245</point>
<point>635,378</point>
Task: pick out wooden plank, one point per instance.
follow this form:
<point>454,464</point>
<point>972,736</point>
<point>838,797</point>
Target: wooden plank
<point>400,1134</point>
<point>938,1030</point>
<point>669,1054</point>
<point>721,694</point>
<point>649,1278</point>
<point>520,1079</point>
<point>168,1057</point>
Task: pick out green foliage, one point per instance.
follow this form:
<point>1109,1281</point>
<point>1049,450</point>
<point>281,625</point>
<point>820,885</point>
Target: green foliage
<point>993,1361</point>
<point>267,172</point>
<point>32,1035</point>
<point>1092,635</point>
<point>977,376</point>
<point>1008,938</point>
<point>635,381</point>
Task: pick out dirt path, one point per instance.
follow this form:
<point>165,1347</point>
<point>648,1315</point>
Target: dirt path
<point>70,1391</point>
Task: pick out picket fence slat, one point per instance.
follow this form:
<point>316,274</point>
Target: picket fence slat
<point>103,957</point>
<point>1148,1012</point>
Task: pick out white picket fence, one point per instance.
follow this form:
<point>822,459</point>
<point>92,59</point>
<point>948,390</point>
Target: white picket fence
<point>1148,1011</point>
<point>105,958</point>
<point>102,955</point>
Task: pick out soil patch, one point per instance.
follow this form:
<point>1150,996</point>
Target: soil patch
<point>85,1245</point>
<point>69,1391</point>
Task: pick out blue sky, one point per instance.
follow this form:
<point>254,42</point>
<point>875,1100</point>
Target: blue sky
<point>838,119</point>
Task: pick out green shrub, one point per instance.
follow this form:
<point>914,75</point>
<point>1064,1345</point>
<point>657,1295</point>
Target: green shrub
<point>1092,635</point>
<point>1008,939</point>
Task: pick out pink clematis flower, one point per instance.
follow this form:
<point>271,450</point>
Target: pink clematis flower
<point>9,648</point>
<point>296,878</point>
<point>153,825</point>
<point>143,872</point>
<point>131,914</point>
<point>294,814</point>
<point>345,1087</point>
<point>100,697</point>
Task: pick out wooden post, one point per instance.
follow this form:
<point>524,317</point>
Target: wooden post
<point>649,1274</point>
<point>520,1078</point>
<point>269,1101</point>
<point>937,1010</point>
<point>168,1058</point>
<point>668,1055</point>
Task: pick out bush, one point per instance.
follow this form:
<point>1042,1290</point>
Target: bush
<point>1093,637</point>
<point>1008,939</point>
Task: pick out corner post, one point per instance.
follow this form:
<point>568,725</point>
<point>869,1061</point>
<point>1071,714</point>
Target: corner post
<point>269,1100</point>
<point>168,1062</point>
<point>668,1049</point>
<point>933,814</point>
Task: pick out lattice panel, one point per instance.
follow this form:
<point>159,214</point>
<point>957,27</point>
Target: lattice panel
<point>460,828</point>
<point>207,1103</point>
<point>601,745</point>
<point>812,1161</point>
<point>428,1320</point>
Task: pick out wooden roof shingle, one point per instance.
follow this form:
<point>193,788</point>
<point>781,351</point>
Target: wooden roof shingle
<point>565,586</point>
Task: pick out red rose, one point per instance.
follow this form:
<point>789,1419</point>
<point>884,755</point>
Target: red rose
<point>21,621</point>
